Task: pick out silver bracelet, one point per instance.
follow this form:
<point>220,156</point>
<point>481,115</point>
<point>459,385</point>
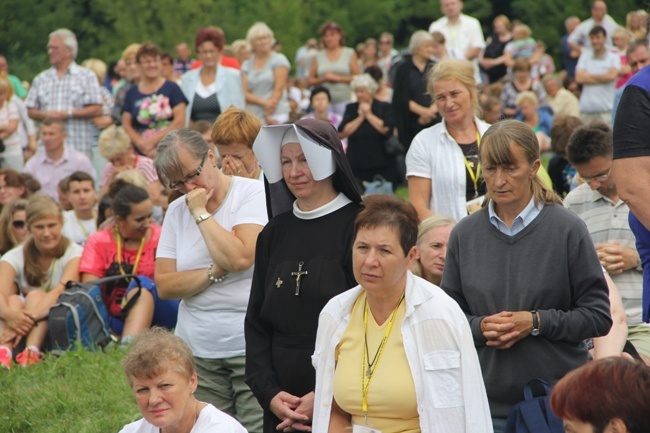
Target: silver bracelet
<point>214,279</point>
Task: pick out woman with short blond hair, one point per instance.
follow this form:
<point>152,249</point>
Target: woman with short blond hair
<point>115,146</point>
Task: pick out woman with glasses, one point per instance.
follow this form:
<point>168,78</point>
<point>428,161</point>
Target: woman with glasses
<point>211,88</point>
<point>205,259</point>
<point>13,225</point>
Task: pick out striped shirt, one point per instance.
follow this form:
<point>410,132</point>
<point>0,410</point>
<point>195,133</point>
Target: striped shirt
<point>607,222</point>
<point>143,164</point>
<point>76,89</point>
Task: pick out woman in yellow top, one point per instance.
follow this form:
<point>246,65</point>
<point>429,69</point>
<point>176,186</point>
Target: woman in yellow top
<point>395,354</point>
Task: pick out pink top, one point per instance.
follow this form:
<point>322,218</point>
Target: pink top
<point>141,163</point>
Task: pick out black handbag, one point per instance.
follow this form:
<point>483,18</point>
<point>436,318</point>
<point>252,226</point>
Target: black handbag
<point>392,146</point>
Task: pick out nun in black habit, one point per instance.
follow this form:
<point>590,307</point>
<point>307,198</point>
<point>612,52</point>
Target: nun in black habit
<point>303,259</point>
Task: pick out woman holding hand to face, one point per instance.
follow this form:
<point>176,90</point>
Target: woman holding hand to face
<point>233,135</point>
<point>205,258</point>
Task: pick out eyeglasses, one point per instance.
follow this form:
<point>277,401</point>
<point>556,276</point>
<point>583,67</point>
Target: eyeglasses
<point>181,183</point>
<point>18,224</point>
<point>599,178</point>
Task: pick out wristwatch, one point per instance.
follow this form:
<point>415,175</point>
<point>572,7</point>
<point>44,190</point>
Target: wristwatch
<point>69,114</point>
<point>204,216</point>
<point>535,331</point>
<point>639,265</point>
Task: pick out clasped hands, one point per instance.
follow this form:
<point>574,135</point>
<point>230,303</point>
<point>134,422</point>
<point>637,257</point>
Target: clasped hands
<point>19,323</point>
<point>615,258</point>
<point>504,329</point>
<point>295,412</point>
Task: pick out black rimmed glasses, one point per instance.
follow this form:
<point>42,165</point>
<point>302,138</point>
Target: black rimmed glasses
<point>598,178</point>
<point>181,183</point>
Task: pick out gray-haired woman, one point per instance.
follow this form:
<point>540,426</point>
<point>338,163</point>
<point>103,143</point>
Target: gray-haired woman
<point>413,106</point>
<point>367,124</point>
<point>205,258</point>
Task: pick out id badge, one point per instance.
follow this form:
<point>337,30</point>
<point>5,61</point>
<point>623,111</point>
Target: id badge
<point>475,204</point>
<point>356,428</point>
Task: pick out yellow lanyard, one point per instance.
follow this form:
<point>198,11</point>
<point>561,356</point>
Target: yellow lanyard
<point>368,370</point>
<point>474,176</point>
<point>83,229</point>
<point>48,287</point>
<point>137,256</point>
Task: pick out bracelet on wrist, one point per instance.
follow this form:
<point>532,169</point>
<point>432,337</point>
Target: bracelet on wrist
<point>214,279</point>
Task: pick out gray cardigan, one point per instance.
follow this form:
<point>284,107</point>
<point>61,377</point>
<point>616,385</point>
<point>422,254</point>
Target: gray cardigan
<point>550,266</point>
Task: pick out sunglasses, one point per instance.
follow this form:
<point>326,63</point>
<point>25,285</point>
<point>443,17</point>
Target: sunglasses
<point>19,224</point>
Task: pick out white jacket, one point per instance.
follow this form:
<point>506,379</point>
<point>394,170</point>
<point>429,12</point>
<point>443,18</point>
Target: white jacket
<point>440,351</point>
<point>229,89</point>
<point>435,155</point>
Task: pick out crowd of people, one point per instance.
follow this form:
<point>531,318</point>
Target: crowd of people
<point>239,194</point>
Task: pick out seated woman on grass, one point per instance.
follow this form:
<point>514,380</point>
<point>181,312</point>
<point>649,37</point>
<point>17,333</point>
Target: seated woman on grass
<point>128,246</point>
<point>32,276</point>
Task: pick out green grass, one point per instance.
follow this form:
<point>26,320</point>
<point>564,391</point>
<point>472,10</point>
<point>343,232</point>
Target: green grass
<point>81,392</point>
<point>402,192</point>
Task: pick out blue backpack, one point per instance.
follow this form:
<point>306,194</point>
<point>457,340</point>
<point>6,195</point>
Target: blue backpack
<point>534,414</point>
<point>80,315</point>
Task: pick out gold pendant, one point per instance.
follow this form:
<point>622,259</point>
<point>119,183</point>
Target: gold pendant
<point>471,164</point>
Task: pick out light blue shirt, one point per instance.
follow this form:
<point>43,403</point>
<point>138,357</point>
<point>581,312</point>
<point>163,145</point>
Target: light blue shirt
<point>522,220</point>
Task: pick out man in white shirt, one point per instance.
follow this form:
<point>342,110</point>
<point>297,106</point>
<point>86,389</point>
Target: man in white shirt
<point>597,71</point>
<point>462,33</point>
<point>579,38</point>
<point>80,222</point>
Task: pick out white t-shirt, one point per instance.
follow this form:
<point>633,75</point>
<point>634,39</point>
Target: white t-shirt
<point>212,321</point>
<point>465,34</point>
<point>77,230</point>
<point>598,98</point>
<point>580,35</point>
<point>210,420</point>
<point>16,259</point>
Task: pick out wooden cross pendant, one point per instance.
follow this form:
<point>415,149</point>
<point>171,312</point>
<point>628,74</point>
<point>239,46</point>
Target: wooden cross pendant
<point>298,274</point>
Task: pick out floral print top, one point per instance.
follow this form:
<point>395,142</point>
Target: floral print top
<point>152,112</point>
